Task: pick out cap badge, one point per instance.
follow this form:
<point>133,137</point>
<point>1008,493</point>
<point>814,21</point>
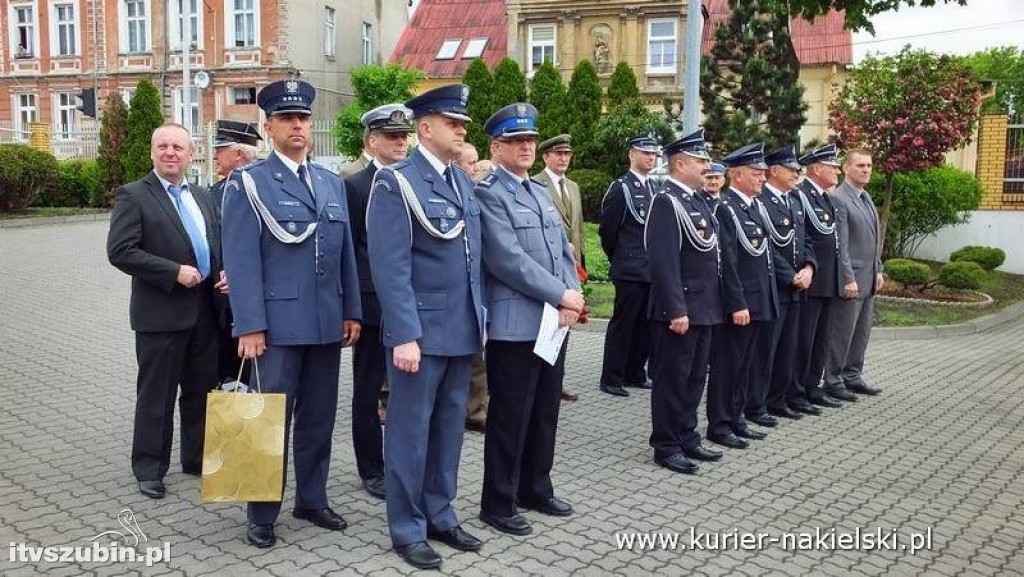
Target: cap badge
<point>397,117</point>
<point>465,94</point>
<point>291,87</point>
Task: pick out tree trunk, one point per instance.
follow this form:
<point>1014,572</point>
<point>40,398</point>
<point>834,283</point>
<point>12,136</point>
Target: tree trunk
<point>885,213</point>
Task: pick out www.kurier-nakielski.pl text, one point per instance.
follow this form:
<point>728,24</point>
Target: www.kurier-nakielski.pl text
<point>818,539</point>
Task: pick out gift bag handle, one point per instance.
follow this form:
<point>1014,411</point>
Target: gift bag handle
<point>256,368</point>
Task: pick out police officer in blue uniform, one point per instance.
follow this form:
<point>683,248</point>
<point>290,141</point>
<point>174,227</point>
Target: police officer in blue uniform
<point>388,134</point>
<point>714,180</point>
<point>750,298</point>
<point>685,304</point>
<point>623,213</point>
<point>793,257</point>
<point>822,175</point>
<point>294,293</point>
<point>529,263</point>
<point>423,239</point>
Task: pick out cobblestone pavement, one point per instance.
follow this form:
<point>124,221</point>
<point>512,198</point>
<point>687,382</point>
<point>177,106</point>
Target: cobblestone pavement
<point>942,450</point>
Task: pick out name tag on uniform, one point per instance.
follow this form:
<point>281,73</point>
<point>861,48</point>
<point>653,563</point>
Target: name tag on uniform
<point>288,203</point>
<point>749,222</point>
<point>551,208</point>
<point>334,204</point>
<point>437,200</point>
<point>523,210</point>
<point>694,214</point>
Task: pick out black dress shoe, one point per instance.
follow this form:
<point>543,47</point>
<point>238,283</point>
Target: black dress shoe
<point>456,538</point>
<point>152,489</point>
<point>420,555</point>
<point>842,395</point>
<point>192,470</point>
<point>478,425</point>
<point>614,390</point>
<point>785,412</point>
<point>644,385</point>
<point>729,440</point>
<point>763,419</point>
<point>261,536</point>
<point>826,401</point>
<point>748,433</point>
<point>553,506</point>
<point>513,524</point>
<point>806,408</point>
<point>569,395</point>
<point>325,518</point>
<point>375,486</point>
<point>702,453</point>
<point>863,388</point>
<point>679,463</point>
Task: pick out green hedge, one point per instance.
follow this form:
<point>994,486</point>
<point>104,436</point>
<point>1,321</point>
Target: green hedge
<point>77,186</point>
<point>962,275</point>
<point>988,257</point>
<point>593,185</point>
<point>908,272</point>
<point>24,173</point>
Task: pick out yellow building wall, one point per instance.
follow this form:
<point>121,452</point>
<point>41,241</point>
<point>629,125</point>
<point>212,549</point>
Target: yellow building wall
<point>992,161</point>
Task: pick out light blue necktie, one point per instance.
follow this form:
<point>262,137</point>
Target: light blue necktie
<point>198,239</point>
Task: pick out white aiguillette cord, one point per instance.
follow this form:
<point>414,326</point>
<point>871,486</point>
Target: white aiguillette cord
<point>266,218</point>
<point>413,206</point>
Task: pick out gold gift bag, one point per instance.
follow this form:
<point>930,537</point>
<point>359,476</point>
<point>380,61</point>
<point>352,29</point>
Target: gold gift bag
<point>243,455</point>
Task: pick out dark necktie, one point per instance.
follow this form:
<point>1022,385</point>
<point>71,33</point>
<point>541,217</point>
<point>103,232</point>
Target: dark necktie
<point>196,236</point>
<point>449,177</point>
<point>304,179</point>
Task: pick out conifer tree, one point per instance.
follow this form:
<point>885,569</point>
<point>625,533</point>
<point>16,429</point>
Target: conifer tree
<point>113,134</point>
<point>623,86</point>
<point>547,93</point>
<point>584,100</point>
<point>144,117</point>
<point>478,78</point>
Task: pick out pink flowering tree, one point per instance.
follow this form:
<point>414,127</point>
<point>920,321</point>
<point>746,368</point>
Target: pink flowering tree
<point>909,110</point>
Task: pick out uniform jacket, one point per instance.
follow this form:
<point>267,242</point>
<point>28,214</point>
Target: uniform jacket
<point>622,237</point>
<point>749,282</point>
<point>297,296</point>
<point>826,277</point>
<point>526,255</point>
<point>859,250</point>
<point>429,289</point>
<point>217,193</point>
<point>787,214</point>
<point>357,189</point>
<point>148,241</point>
<point>572,215</point>
<point>684,280</point>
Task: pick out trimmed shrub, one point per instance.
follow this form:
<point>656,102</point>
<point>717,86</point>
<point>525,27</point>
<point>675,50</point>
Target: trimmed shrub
<point>988,257</point>
<point>24,173</point>
<point>962,275</point>
<point>593,185</point>
<point>908,272</point>
<point>78,181</point>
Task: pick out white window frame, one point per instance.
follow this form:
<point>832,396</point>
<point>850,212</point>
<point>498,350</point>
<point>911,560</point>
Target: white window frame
<point>475,48</point>
<point>330,32</point>
<point>367,43</point>
<point>12,18</point>
<point>543,45</point>
<point>229,25</point>
<point>124,24</point>
<point>65,114</point>
<point>232,95</point>
<point>673,41</point>
<point>197,109</point>
<point>175,22</point>
<point>449,48</point>
<point>126,96</point>
<point>22,124</point>
<point>56,27</point>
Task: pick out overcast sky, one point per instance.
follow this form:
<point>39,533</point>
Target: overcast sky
<point>951,29</point>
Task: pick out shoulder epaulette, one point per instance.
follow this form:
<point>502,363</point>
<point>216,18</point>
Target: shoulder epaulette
<point>489,179</point>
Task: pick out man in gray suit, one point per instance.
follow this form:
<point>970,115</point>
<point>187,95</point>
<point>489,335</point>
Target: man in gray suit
<point>861,270</point>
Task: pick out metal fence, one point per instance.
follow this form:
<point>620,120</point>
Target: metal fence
<point>1013,178</point>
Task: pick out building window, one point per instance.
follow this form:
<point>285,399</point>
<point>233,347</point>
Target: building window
<point>367,43</point>
<point>542,45</point>
<point>177,19</point>
<point>474,48</point>
<point>244,23</point>
<point>190,121</point>
<point>126,95</point>
<point>65,114</point>
<point>26,113</point>
<point>661,46</point>
<point>243,95</point>
<point>137,26</point>
<point>65,41</point>
<point>448,49</point>
<point>330,39</point>
<point>24,38</point>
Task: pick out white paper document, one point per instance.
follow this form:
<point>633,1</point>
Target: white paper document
<point>550,336</point>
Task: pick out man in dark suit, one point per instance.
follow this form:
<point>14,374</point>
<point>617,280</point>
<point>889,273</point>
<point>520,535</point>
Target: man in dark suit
<point>423,237</point>
<point>686,303</point>
<point>793,257</point>
<point>389,130</point>
<point>295,294</point>
<point>860,265</point>
<point>164,233</point>
<point>750,299</point>
<point>822,169</point>
<point>623,213</point>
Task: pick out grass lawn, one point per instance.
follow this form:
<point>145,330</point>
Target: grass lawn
<point>1005,288</point>
<point>35,212</point>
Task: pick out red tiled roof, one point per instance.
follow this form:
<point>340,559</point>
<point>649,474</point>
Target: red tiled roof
<point>821,41</point>
<point>435,21</point>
